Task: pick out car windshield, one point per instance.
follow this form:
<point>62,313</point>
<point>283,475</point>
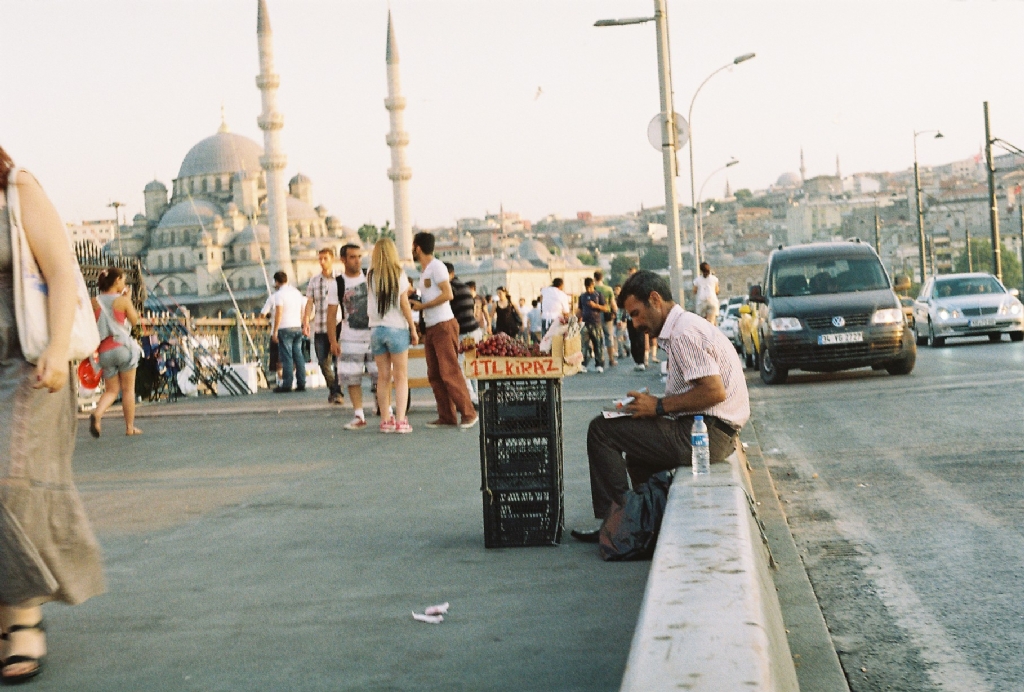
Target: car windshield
<point>808,276</point>
<point>967,286</point>
<point>734,311</point>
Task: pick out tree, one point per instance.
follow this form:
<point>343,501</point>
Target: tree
<point>743,196</point>
<point>981,261</point>
<point>655,258</point>
<point>387,231</point>
<point>621,265</point>
<point>587,259</point>
<point>368,233</point>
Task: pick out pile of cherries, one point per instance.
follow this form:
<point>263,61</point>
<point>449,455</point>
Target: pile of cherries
<point>505,346</point>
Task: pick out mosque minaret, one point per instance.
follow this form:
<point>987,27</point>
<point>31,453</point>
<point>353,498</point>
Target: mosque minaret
<point>397,139</point>
<point>273,160</point>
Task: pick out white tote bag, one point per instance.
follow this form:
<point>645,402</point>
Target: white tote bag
<point>31,309</point>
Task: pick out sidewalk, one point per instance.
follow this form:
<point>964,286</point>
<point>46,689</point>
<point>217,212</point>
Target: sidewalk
<point>248,548</point>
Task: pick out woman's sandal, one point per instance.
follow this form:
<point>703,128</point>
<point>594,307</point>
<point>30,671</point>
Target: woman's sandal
<point>94,429</point>
<point>15,659</point>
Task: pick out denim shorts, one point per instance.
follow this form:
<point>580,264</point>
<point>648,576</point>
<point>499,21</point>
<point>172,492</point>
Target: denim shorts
<point>116,361</point>
<point>389,340</point>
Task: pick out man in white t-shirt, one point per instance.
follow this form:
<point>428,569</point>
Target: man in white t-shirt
<point>554,304</point>
<point>705,287</point>
<point>441,338</point>
<point>320,318</point>
<point>286,332</point>
<point>356,357</point>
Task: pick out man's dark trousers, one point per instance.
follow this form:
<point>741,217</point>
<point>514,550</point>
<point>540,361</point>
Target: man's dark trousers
<point>324,357</point>
<point>650,445</point>
<point>290,346</point>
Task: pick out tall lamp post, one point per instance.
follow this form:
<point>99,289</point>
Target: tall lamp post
<point>698,229</point>
<point>698,238</point>
<point>993,209</point>
<point>668,138</point>
<point>920,212</point>
<point>117,223</point>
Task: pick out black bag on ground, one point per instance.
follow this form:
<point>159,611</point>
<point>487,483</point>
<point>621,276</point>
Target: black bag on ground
<point>631,530</point>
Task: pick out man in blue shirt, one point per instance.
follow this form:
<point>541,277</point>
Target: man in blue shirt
<point>591,312</point>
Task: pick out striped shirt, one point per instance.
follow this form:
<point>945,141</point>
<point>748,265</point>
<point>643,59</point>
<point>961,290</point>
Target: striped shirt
<point>322,291</point>
<point>698,349</point>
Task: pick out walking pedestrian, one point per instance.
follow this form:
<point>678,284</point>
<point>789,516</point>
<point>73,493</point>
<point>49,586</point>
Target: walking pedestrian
<point>554,304</point>
<point>50,552</point>
<point>464,309</point>
<point>591,314</point>
<point>287,333</point>
<point>322,302</point>
<point>534,322</point>
<point>506,316</point>
<point>441,339</point>
<point>610,347</point>
<point>393,330</point>
<point>480,311</point>
<point>356,358</point>
<point>705,288</point>
<point>118,351</point>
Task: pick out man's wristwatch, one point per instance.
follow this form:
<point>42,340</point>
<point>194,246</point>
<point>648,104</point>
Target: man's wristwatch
<point>659,408</point>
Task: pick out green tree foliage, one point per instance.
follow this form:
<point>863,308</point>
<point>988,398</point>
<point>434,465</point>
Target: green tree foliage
<point>981,260</point>
<point>387,231</point>
<point>655,258</point>
<point>743,196</point>
<point>621,265</point>
<point>368,233</point>
<point>587,259</point>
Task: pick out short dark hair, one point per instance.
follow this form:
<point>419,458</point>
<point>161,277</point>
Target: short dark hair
<point>534,302</point>
<point>588,282</point>
<point>343,252</point>
<point>326,251</point>
<point>108,277</point>
<point>450,267</point>
<point>557,283</point>
<point>705,265</point>
<point>281,277</point>
<point>424,241</point>
<point>471,283</point>
<point>642,284</point>
<point>598,275</point>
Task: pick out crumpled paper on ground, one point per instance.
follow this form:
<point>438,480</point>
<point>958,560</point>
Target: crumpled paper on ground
<point>433,615</point>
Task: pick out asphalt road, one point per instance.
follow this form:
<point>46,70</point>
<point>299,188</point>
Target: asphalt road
<point>252,544</point>
<point>905,499</point>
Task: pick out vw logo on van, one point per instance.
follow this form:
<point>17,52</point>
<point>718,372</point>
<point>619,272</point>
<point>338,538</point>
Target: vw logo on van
<point>839,321</point>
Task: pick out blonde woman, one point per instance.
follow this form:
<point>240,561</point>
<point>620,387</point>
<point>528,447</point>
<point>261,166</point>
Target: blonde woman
<point>50,553</point>
<point>392,332</point>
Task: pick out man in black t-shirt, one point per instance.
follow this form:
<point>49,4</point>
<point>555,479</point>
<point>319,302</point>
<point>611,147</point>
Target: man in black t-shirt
<point>591,312</point>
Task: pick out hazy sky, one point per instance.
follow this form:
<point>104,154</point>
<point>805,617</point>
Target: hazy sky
<point>98,97</point>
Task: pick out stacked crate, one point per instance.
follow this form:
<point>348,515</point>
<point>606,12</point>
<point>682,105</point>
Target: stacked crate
<point>521,461</point>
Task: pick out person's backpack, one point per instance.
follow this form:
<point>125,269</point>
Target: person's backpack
<point>631,530</point>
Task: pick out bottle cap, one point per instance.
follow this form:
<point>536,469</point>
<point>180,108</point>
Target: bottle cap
<point>698,418</point>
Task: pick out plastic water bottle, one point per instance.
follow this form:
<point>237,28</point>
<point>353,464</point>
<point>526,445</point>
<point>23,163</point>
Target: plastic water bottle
<point>701,451</point>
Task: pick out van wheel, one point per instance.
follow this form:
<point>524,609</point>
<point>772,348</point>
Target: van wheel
<point>935,341</point>
<point>770,373</point>
<point>902,367</point>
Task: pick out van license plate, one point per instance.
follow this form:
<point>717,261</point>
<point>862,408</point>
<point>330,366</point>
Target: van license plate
<point>988,322</point>
<point>841,338</point>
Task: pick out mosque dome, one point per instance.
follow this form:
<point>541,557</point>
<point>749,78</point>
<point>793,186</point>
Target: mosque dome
<point>224,152</point>
<point>249,235</point>
<point>155,186</point>
<point>299,178</point>
<point>196,212</point>
<point>299,210</point>
<point>789,180</point>
<point>533,250</point>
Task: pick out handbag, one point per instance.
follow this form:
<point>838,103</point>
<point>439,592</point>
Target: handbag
<point>631,530</point>
<point>31,309</point>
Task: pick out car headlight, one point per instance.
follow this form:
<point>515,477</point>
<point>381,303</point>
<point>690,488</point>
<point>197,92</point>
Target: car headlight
<point>887,316</point>
<point>945,314</point>
<point>785,324</point>
<point>1011,308</point>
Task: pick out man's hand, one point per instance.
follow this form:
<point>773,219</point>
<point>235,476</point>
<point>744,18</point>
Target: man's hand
<point>415,304</point>
<point>643,405</point>
<point>273,337</point>
<point>336,349</point>
<point>305,329</point>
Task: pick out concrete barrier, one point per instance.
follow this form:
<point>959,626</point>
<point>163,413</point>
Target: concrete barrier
<point>710,619</point>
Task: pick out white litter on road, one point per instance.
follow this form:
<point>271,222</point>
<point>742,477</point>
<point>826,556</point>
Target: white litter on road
<point>432,619</point>
<point>437,609</point>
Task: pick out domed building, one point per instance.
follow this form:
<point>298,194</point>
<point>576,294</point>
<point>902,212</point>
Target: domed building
<point>213,233</point>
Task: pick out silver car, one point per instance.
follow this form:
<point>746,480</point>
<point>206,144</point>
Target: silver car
<point>952,305</point>
<point>729,323</point>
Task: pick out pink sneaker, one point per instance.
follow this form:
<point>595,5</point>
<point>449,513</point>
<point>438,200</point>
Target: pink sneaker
<point>403,427</point>
<point>387,426</point>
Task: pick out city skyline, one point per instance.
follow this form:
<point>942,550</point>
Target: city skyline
<point>549,116</point>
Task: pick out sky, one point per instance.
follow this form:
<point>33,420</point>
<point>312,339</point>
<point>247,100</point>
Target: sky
<point>520,103</point>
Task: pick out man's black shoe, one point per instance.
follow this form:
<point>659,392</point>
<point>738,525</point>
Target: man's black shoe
<point>281,390</point>
<point>300,389</point>
<point>592,536</point>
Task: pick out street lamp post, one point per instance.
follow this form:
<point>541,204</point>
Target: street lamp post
<point>920,212</point>
<point>117,223</point>
<point>668,139</point>
<point>698,229</point>
<point>993,208</point>
<point>697,237</point>
<point>878,232</point>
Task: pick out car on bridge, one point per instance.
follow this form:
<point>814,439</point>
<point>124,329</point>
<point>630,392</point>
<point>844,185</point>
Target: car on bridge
<point>974,304</point>
<point>826,307</point>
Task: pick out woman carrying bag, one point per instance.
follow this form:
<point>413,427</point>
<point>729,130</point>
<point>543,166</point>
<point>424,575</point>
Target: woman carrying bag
<point>119,352</point>
<point>49,552</point>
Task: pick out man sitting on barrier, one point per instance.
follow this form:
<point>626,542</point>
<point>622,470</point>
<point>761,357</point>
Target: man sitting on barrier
<point>705,377</point>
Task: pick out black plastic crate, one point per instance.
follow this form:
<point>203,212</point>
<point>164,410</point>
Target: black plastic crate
<point>519,518</point>
<point>519,406</point>
<point>509,462</point>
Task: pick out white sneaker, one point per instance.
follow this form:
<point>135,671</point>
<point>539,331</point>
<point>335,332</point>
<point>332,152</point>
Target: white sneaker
<point>640,367</point>
<point>583,369</point>
<point>356,423</point>
<point>600,368</point>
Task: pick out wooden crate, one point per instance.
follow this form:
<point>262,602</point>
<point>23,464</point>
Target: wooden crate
<point>561,362</point>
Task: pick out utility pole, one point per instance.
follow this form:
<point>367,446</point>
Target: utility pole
<point>668,152</point>
<point>1020,215</point>
<point>117,224</point>
<point>920,215</point>
<point>878,232</point>
<point>993,208</point>
<point>967,237</point>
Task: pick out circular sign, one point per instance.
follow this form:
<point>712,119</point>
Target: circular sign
<point>654,130</point>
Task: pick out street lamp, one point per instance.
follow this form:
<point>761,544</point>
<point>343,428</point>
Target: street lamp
<point>697,241</point>
<point>117,223</point>
<point>698,231</point>
<point>668,138</point>
<point>920,213</point>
